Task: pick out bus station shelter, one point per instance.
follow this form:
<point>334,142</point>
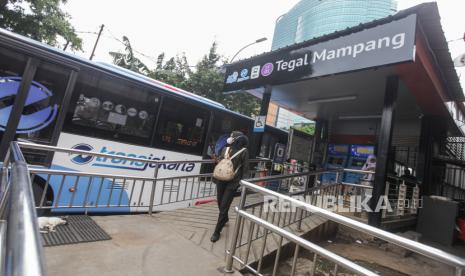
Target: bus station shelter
<point>390,83</point>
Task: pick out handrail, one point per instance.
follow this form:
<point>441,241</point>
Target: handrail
<point>78,173</point>
<point>278,177</point>
<point>422,249</point>
<point>22,251</point>
<point>358,171</point>
<point>308,245</point>
<point>357,185</point>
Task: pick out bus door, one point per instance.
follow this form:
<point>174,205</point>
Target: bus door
<point>34,94</point>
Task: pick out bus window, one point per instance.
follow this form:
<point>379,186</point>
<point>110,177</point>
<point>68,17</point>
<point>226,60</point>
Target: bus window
<point>110,108</point>
<point>225,124</point>
<point>12,66</point>
<point>43,103</point>
<point>181,129</point>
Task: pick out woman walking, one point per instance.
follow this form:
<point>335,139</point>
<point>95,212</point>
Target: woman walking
<point>232,167</point>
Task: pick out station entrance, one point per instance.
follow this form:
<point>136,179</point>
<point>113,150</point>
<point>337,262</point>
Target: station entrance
<point>385,90</point>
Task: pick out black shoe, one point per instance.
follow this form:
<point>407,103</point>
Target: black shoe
<point>215,237</point>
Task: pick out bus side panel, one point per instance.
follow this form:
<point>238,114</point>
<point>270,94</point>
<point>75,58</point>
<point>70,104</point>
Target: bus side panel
<point>72,192</point>
<point>116,190</point>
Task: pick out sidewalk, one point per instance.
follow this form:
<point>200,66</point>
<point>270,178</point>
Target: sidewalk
<point>140,245</point>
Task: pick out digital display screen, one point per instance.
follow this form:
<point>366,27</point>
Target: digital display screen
<point>362,151</point>
<point>338,149</point>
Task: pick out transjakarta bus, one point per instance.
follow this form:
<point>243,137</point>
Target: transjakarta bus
<point>62,100</point>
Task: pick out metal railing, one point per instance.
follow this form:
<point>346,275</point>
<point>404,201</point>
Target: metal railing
<point>339,262</point>
<point>20,244</point>
<point>449,181</point>
<point>87,192</point>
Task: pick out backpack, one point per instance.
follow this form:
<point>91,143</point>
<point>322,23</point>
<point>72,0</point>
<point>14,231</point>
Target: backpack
<point>224,170</point>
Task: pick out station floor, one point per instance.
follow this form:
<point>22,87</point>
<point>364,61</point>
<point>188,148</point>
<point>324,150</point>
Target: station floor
<point>140,245</point>
<point>167,243</point>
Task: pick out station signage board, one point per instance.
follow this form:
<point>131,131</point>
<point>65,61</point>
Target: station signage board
<point>259,124</point>
<point>385,44</point>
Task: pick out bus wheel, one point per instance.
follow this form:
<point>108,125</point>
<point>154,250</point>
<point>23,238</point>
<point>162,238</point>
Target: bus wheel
<point>38,186</point>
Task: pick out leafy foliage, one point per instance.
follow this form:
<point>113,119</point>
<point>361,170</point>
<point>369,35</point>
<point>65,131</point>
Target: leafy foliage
<point>307,128</point>
<point>41,20</point>
<point>175,71</point>
<point>128,60</point>
<point>205,80</point>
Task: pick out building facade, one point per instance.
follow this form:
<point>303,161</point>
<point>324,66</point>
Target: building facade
<point>313,18</point>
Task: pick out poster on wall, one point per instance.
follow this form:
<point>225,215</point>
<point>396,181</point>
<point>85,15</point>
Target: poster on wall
<point>259,125</point>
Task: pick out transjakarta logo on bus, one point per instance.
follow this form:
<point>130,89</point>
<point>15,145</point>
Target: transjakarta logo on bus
<point>38,112</point>
<point>125,164</point>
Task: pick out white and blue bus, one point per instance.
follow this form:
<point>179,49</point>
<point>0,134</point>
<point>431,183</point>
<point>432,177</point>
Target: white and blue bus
<point>54,98</point>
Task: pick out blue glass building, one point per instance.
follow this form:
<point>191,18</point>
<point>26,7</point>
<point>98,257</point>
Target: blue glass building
<point>314,18</point>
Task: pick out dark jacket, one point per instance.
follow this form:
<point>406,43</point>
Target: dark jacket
<point>241,161</point>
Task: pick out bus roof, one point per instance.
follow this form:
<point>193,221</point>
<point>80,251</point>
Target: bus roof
<point>28,43</point>
<point>113,69</point>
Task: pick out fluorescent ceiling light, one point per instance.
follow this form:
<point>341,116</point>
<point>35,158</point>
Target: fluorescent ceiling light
<point>331,100</point>
<point>354,117</point>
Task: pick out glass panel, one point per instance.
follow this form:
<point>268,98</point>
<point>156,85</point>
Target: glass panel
<point>224,124</point>
<point>110,108</point>
<point>12,67</point>
<point>181,127</point>
<point>43,103</point>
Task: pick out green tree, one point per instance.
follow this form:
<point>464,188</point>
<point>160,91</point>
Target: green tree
<point>128,60</point>
<point>42,20</point>
<point>307,128</point>
<point>207,81</point>
<point>175,71</point>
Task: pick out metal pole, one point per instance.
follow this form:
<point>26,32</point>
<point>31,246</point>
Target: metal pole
<point>301,216</point>
<point>237,226</point>
<point>264,106</point>
<point>414,246</point>
<point>384,144</point>
<point>24,255</point>
<point>18,105</point>
<point>5,165</point>
<point>96,42</point>
<point>154,186</point>
<point>255,42</point>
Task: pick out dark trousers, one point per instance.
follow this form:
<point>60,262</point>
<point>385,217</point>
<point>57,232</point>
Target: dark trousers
<point>225,195</point>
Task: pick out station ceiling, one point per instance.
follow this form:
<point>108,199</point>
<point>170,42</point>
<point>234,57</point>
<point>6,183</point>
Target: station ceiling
<point>343,96</point>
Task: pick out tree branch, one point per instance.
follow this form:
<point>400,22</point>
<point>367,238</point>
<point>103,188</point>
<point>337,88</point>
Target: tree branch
<point>3,4</point>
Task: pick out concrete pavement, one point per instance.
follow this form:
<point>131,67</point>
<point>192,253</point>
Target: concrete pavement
<point>140,245</point>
